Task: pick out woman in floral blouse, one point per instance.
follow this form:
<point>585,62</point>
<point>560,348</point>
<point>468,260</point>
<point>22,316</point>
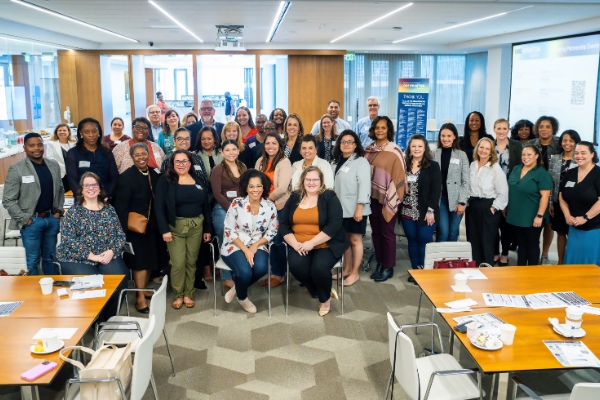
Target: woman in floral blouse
<point>92,239</point>
<point>250,225</point>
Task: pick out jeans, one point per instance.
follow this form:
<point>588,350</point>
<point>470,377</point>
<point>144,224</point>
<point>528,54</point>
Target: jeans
<point>245,275</point>
<point>115,267</point>
<point>39,239</point>
<point>418,236</point>
<point>448,226</point>
<point>218,220</point>
<point>278,256</point>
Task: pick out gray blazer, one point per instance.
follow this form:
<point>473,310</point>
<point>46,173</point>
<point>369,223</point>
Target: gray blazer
<point>21,198</point>
<point>352,185</point>
<point>457,182</point>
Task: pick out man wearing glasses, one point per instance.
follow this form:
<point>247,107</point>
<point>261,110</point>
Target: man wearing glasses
<point>207,118</point>
<point>34,197</point>
<point>363,124</point>
<point>154,113</point>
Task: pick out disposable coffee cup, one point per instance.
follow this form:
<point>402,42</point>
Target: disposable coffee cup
<point>460,281</point>
<point>46,284</point>
<point>50,340</point>
<point>574,317</point>
<point>472,329</point>
<point>507,333</point>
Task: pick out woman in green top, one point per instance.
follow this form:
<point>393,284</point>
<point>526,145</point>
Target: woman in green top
<point>529,187</point>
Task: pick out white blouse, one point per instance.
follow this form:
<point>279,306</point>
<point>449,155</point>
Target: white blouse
<point>489,182</point>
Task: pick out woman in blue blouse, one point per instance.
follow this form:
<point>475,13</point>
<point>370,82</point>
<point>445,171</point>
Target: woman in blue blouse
<point>250,225</point>
<point>166,139</point>
<point>92,240</point>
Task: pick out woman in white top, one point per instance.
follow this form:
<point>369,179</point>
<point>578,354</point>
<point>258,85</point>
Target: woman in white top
<point>488,196</point>
<point>308,150</point>
<point>60,142</point>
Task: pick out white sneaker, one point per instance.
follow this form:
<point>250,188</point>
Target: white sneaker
<point>248,306</point>
<point>544,260</point>
<point>229,296</point>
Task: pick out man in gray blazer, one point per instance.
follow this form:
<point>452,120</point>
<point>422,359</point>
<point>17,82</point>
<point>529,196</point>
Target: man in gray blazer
<point>34,198</point>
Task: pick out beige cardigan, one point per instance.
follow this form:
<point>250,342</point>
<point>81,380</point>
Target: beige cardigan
<point>283,180</point>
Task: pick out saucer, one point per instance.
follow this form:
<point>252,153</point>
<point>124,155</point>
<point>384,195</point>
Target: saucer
<point>576,333</point>
<point>491,344</point>
<point>61,344</point>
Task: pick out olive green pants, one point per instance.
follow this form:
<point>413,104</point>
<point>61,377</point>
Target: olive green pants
<point>183,250</point>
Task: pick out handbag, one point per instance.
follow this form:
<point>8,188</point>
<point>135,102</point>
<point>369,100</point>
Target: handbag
<point>107,362</point>
<point>137,222</point>
<point>454,263</point>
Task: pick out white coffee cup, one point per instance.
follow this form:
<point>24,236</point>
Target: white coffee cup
<point>573,318</point>
<point>507,333</point>
<point>46,284</point>
<point>460,281</point>
<point>50,340</point>
<point>472,329</point>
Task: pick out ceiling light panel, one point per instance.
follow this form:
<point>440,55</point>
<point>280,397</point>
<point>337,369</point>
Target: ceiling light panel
<point>168,15</point>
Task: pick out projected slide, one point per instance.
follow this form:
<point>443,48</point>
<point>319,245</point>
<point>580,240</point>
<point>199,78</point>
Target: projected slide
<point>559,78</point>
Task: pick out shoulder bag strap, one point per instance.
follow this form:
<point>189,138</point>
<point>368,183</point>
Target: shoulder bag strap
<point>152,193</point>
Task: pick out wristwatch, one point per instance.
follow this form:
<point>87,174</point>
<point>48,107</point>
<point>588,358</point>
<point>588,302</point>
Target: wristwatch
<point>462,204</point>
<point>586,217</point>
<point>429,211</point>
<point>539,216</point>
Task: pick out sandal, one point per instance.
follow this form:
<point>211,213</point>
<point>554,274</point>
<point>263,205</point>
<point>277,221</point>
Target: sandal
<point>208,273</point>
<point>177,303</point>
<point>189,303</point>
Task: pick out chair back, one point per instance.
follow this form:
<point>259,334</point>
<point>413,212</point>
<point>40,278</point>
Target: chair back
<point>436,251</point>
<point>13,259</point>
<point>158,308</point>
<point>585,391</point>
<point>142,363</point>
<point>403,359</point>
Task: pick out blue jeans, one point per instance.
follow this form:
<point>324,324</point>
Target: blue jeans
<point>218,220</point>
<point>278,256</point>
<point>115,267</point>
<point>245,275</point>
<point>418,236</point>
<point>39,239</point>
<point>449,223</point>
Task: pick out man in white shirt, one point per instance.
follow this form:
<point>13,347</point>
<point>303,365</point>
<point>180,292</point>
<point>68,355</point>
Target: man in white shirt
<point>153,112</point>
<point>363,124</point>
<point>333,109</point>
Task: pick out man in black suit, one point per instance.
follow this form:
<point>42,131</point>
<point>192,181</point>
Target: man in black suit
<point>207,113</point>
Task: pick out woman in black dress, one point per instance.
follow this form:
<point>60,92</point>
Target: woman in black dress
<point>135,188</point>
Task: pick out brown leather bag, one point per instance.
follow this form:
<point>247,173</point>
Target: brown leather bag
<point>137,222</point>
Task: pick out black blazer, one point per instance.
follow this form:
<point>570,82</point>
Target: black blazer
<point>430,191</point>
<point>321,149</point>
<point>195,129</point>
<point>295,155</point>
<point>331,218</point>
<point>133,194</point>
<point>165,206</point>
<point>515,148</point>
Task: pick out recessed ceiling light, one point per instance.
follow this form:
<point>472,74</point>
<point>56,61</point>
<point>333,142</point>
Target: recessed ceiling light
<point>35,43</point>
<point>372,22</point>
<point>397,28</point>
<point>282,11</point>
<point>159,8</point>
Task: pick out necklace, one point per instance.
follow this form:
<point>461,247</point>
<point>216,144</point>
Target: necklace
<point>145,173</point>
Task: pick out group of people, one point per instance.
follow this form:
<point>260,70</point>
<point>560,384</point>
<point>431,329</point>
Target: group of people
<point>271,192</point>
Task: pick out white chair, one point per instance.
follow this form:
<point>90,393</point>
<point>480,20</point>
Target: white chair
<point>13,260</point>
<point>339,269</point>
<point>141,370</point>
<point>122,329</point>
<point>581,391</point>
<point>10,234</point>
<point>436,377</point>
<point>221,265</point>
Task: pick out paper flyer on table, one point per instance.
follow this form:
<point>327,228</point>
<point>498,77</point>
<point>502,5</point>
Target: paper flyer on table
<point>461,303</point>
<point>87,282</point>
<point>572,354</point>
<point>473,273</point>
<point>63,333</point>
<point>505,300</point>
<point>90,294</point>
<point>535,301</point>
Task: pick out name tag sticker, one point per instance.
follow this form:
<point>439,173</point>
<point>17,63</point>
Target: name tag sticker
<point>251,145</point>
<point>345,169</point>
<point>117,142</point>
<point>232,193</point>
<point>84,164</point>
<point>570,184</point>
<point>198,187</point>
<point>157,170</point>
<point>197,167</point>
<point>455,161</point>
<point>27,179</point>
<point>412,178</point>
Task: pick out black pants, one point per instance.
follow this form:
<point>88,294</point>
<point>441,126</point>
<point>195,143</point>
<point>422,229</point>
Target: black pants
<point>482,228</point>
<point>528,240</point>
<point>505,236</point>
<point>314,270</point>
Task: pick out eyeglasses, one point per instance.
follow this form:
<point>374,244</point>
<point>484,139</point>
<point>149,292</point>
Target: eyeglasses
<point>255,187</point>
<point>153,112</point>
<point>373,105</point>
<point>91,185</point>
<point>182,162</point>
<point>347,142</point>
<point>312,180</point>
<point>183,139</point>
<point>141,128</point>
<point>92,132</point>
<point>206,108</point>
<point>269,128</point>
<point>140,155</point>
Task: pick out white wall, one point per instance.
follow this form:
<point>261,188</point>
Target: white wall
<point>497,93</point>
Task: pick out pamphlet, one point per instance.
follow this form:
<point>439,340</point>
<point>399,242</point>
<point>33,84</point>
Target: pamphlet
<point>535,301</point>
<point>572,353</point>
<point>88,282</point>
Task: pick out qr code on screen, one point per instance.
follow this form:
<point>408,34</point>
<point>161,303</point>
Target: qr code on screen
<point>577,93</point>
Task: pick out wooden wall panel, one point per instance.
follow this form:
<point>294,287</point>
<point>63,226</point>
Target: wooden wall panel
<point>149,87</point>
<point>313,80</point>
<point>67,83</point>
<point>20,70</point>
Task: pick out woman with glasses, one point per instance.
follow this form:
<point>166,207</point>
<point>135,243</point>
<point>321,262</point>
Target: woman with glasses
<point>243,117</point>
<point>250,225</point>
<point>140,131</point>
<point>312,225</point>
<point>308,149</point>
<point>278,116</point>
<point>92,240</point>
<point>135,193</point>
<point>182,140</point>
<point>225,181</point>
<point>183,215</point>
<point>117,136</point>
<point>326,138</point>
<point>353,188</point>
<point>90,155</point>
<point>165,138</point>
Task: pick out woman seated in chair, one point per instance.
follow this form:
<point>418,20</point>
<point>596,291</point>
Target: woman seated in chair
<point>92,240</point>
<point>250,225</point>
<point>312,225</point>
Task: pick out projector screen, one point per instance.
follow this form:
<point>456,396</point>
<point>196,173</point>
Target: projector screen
<point>559,78</point>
